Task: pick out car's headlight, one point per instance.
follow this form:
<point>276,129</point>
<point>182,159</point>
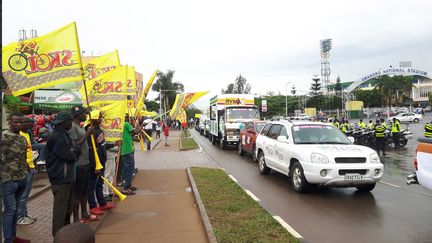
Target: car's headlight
<point>319,158</point>
<point>374,158</point>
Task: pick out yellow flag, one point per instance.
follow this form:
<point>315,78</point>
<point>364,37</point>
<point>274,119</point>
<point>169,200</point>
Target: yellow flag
<point>101,65</point>
<point>43,61</point>
<point>131,81</point>
<point>107,88</point>
<point>145,91</point>
<point>113,120</point>
<point>182,101</point>
<point>176,109</point>
<point>191,98</point>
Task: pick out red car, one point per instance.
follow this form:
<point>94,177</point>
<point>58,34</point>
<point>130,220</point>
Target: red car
<point>248,136</point>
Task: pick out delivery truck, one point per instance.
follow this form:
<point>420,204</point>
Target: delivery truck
<point>227,114</point>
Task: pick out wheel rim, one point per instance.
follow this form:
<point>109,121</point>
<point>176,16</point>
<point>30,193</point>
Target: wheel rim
<point>261,163</point>
<point>297,177</point>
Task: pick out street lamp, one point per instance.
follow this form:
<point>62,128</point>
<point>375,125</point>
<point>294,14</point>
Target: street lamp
<point>286,98</point>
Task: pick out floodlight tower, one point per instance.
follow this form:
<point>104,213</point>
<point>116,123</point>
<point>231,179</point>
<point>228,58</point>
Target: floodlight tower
<point>326,46</point>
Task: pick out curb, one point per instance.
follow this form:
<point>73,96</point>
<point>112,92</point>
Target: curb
<point>205,220</point>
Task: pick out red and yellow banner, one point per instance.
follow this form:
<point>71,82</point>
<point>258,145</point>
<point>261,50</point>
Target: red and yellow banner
<point>101,65</point>
<point>43,61</point>
<point>107,88</point>
<point>182,101</point>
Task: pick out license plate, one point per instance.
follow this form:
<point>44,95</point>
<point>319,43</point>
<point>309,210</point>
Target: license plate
<point>354,177</point>
<point>408,136</point>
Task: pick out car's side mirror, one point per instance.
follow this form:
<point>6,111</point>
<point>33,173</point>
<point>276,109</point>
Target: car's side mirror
<point>351,139</point>
<point>282,139</point>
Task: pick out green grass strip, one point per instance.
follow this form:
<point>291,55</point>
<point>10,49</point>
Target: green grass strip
<point>235,217</point>
<point>187,142</point>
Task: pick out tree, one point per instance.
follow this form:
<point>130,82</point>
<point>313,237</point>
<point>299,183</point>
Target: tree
<point>152,105</point>
<point>165,83</point>
<point>240,86</point>
<point>276,105</point>
<point>389,88</point>
<point>369,97</point>
<point>191,111</point>
<point>316,85</point>
<point>324,102</point>
<point>293,90</point>
<point>430,98</point>
<point>338,87</point>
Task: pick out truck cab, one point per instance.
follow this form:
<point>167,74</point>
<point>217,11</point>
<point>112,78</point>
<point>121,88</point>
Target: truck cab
<point>227,113</point>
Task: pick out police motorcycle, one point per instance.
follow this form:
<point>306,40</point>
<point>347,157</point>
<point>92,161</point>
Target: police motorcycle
<point>405,135</point>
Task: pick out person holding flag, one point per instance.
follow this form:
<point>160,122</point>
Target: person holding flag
<point>127,158</point>
<point>95,188</point>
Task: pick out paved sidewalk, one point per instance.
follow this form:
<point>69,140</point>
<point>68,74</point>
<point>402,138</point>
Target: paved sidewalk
<point>164,207</point>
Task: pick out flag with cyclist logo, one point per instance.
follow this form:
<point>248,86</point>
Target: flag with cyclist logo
<point>100,65</point>
<point>43,61</point>
<point>113,118</point>
<point>108,88</point>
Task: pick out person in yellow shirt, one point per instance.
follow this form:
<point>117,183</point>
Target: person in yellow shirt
<point>371,125</point>
<point>362,124</point>
<point>23,217</point>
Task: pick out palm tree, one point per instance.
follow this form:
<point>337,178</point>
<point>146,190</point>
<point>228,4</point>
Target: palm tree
<point>403,84</point>
<point>165,83</point>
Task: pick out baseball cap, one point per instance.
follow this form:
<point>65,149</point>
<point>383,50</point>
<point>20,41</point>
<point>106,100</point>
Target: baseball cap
<point>62,116</point>
<point>77,110</point>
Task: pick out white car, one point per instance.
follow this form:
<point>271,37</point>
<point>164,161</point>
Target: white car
<point>407,117</point>
<point>316,153</point>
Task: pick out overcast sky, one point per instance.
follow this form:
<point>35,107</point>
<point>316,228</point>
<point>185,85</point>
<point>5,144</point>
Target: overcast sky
<point>209,43</point>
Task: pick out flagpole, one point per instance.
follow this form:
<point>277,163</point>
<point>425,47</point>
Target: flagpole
<point>116,171</point>
<point>97,160</point>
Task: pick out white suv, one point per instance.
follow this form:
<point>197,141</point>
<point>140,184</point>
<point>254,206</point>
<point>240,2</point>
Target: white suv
<point>316,153</point>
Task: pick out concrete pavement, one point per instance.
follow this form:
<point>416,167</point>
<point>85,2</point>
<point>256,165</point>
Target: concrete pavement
<point>163,210</point>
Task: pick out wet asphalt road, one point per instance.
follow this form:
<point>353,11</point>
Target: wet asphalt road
<point>392,212</point>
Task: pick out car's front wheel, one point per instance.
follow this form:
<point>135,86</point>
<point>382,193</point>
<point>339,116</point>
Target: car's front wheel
<point>297,178</point>
<point>263,169</point>
<point>366,188</point>
<point>416,120</point>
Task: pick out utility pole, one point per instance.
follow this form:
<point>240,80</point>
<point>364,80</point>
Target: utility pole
<point>286,98</point>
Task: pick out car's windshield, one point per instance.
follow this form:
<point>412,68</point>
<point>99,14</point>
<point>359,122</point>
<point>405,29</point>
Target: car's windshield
<point>259,126</point>
<point>236,113</point>
<point>318,134</point>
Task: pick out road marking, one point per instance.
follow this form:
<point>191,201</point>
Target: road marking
<point>252,195</point>
<point>234,179</point>
<point>287,227</point>
<point>393,185</point>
